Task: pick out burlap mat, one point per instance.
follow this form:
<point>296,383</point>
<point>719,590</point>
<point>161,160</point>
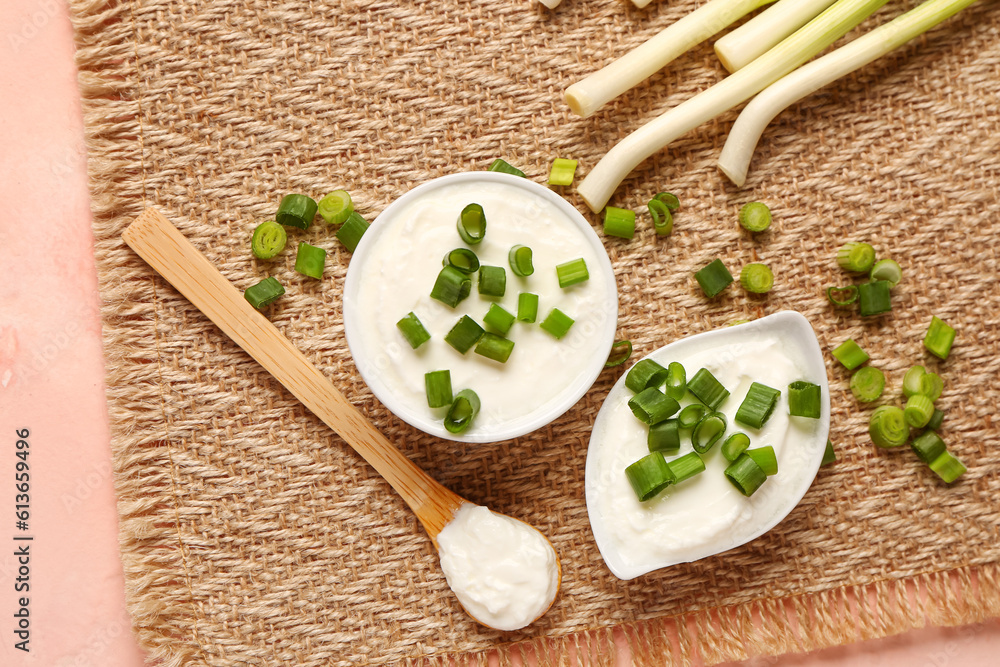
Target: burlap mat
<point>252,535</point>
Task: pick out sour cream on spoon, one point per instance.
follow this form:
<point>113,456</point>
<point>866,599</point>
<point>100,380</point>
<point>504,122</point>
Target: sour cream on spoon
<point>503,571</point>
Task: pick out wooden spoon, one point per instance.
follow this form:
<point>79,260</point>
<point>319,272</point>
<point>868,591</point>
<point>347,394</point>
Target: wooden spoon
<point>162,245</point>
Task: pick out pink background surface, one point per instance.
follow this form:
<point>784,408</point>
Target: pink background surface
<point>51,383</point>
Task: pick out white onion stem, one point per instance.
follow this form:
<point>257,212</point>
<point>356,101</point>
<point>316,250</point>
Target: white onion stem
<point>806,42</point>
<point>746,132</point>
<point>737,48</point>
<point>590,94</point>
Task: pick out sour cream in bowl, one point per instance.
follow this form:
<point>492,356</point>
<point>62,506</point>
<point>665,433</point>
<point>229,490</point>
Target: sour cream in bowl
<point>395,266</point>
<point>706,515</point>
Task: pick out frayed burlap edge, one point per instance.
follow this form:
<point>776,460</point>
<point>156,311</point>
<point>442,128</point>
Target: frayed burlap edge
<point>105,61</point>
<point>769,627</point>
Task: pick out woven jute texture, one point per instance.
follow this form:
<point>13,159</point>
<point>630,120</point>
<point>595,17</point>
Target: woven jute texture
<point>251,534</point>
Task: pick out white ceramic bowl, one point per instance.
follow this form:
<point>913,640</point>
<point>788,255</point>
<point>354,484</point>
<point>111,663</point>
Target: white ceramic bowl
<point>393,270</point>
<point>704,515</point>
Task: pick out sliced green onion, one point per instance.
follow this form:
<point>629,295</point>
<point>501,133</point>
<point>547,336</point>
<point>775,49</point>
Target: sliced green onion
<point>264,293</point>
<point>757,406</point>
<point>912,380</point>
<point>562,171</point>
<point>644,374</point>
<point>463,410</point>
<point>296,211</point>
<point>757,278</point>
<point>707,389</point>
<point>691,414</point>
<point>867,384</point>
<point>745,475</point>
<point>669,199</point>
<point>463,260</point>
<point>451,286</point>
<point>850,354</point>
<point>856,257</point>
<point>829,456</point>
<point>557,323</point>
<point>939,338</point>
<point>527,307</point>
<point>931,386</point>
<point>572,272</point>
<point>494,347</point>
<point>676,381</point>
<point>505,167</point>
<point>620,352</point>
<point>937,418</point>
<point>649,475</point>
<point>842,296</point>
<point>804,399</point>
<point>755,216</point>
<point>708,431</point>
<point>887,270</point>
<point>268,240</point>
<point>928,446</point>
<point>437,385</point>
<point>336,207</point>
<point>736,323</point>
<point>887,426</point>
<point>472,224</point>
<point>918,410</point>
<point>464,334</point>
<point>413,330</point>
<point>873,298</point>
<point>498,319</point>
<point>664,436</point>
<point>947,467</point>
<point>310,260</point>
<point>492,280</point>
<point>619,222</point>
<point>651,406</point>
<point>713,278</point>
<point>686,467</point>
<point>765,458</point>
<point>352,230</point>
<point>735,445</point>
<point>663,220</point>
<point>519,258</point>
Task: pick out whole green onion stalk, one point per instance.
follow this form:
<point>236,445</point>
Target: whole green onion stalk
<point>590,94</point>
<point>806,42</point>
<point>746,132</point>
<point>739,47</point>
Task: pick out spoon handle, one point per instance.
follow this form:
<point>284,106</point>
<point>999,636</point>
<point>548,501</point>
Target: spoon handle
<point>156,240</point>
